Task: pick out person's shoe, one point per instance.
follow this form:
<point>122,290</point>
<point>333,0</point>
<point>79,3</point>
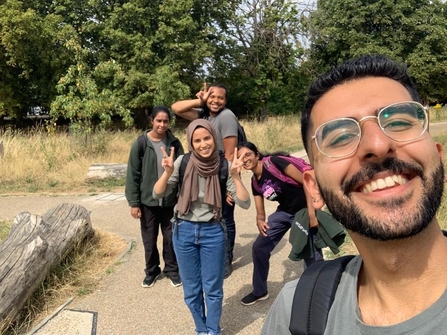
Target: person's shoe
<point>228,270</point>
<point>175,280</point>
<point>251,299</point>
<point>149,281</point>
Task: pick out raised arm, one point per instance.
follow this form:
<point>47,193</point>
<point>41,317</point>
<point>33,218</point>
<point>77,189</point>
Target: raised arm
<point>235,171</point>
<point>188,108</point>
<point>168,165</point>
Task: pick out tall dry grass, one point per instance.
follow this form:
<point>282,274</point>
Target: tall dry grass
<point>42,162</point>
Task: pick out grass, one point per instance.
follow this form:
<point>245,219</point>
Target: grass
<point>78,275</point>
<point>5,227</point>
<point>42,162</point>
<point>437,114</point>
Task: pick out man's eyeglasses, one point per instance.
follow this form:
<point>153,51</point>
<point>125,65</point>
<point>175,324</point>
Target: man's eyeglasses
<point>402,122</point>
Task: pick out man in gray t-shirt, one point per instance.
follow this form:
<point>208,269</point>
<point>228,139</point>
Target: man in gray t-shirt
<point>381,175</point>
<point>210,104</point>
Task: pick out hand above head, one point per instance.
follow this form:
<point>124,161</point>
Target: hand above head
<point>167,162</point>
<point>203,94</point>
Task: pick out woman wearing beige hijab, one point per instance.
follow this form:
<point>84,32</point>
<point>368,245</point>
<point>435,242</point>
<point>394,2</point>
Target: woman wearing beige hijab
<point>198,233</point>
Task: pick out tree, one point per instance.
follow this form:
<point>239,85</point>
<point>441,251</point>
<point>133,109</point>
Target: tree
<point>32,57</point>
<point>88,95</point>
<point>411,31</point>
<point>263,55</point>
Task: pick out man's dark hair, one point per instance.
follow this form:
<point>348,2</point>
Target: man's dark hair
<point>361,67</point>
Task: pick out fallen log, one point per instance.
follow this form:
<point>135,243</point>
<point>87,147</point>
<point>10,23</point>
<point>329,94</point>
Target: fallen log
<point>33,247</point>
<point>99,171</point>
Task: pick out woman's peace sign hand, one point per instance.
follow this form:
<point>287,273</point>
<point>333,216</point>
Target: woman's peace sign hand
<point>236,165</point>
<point>167,162</point>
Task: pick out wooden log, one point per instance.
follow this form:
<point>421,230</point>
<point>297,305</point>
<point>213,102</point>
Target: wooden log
<point>106,170</point>
<point>33,247</point>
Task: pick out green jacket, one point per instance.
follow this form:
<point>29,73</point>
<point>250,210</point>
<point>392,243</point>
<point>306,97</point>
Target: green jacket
<point>330,234</point>
<point>142,173</point>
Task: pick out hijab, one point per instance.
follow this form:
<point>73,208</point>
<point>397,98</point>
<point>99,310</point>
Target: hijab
<point>206,167</point>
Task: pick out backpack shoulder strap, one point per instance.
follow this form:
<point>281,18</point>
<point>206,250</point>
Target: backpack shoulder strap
<point>241,136</point>
<point>181,172</point>
<point>314,295</point>
<point>223,176</point>
<point>142,140</point>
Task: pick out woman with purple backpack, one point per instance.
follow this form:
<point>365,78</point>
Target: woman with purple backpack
<point>276,177</point>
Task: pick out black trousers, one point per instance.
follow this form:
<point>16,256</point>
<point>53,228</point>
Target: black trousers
<point>152,218</point>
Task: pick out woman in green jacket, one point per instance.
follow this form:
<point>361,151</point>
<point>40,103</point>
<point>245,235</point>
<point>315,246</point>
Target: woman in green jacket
<point>143,170</point>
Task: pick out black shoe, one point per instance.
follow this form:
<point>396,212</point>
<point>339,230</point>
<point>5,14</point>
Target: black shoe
<point>251,299</point>
<point>149,281</point>
<point>175,280</point>
<point>228,270</point>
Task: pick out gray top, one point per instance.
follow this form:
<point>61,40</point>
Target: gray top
<point>226,125</point>
<point>198,210</point>
<point>344,316</point>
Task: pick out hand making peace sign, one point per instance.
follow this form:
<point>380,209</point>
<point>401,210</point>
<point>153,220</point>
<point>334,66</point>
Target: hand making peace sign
<point>204,94</point>
<point>236,165</point>
<point>168,161</point>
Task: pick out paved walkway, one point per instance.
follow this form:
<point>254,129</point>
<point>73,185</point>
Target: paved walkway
<point>120,306</point>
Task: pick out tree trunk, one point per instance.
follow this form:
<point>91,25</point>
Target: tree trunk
<point>141,118</point>
<point>263,112</point>
<point>33,247</point>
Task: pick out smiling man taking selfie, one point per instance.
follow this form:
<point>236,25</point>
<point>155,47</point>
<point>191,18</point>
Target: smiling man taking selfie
<point>381,175</point>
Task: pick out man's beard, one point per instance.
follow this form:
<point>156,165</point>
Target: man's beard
<point>400,225</point>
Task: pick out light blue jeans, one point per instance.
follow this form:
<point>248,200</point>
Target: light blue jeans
<point>200,251</point>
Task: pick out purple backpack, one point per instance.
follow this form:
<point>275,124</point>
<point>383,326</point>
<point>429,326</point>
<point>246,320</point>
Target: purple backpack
<point>297,162</point>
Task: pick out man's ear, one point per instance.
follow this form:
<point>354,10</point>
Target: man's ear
<point>440,151</point>
<point>311,184</point>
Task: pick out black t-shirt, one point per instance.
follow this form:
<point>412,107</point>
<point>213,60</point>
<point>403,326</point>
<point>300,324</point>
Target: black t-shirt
<point>290,198</point>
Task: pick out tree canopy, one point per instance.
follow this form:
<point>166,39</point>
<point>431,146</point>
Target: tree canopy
<point>410,31</point>
<point>92,60</point>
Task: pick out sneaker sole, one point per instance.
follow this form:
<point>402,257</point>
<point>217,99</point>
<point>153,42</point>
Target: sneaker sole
<point>155,279</point>
<point>176,285</point>
<point>254,302</point>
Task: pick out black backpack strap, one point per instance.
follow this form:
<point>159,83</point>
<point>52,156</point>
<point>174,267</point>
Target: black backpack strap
<point>223,176</point>
<point>241,136</point>
<point>141,145</point>
<point>314,295</point>
<point>223,173</point>
<point>181,172</point>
